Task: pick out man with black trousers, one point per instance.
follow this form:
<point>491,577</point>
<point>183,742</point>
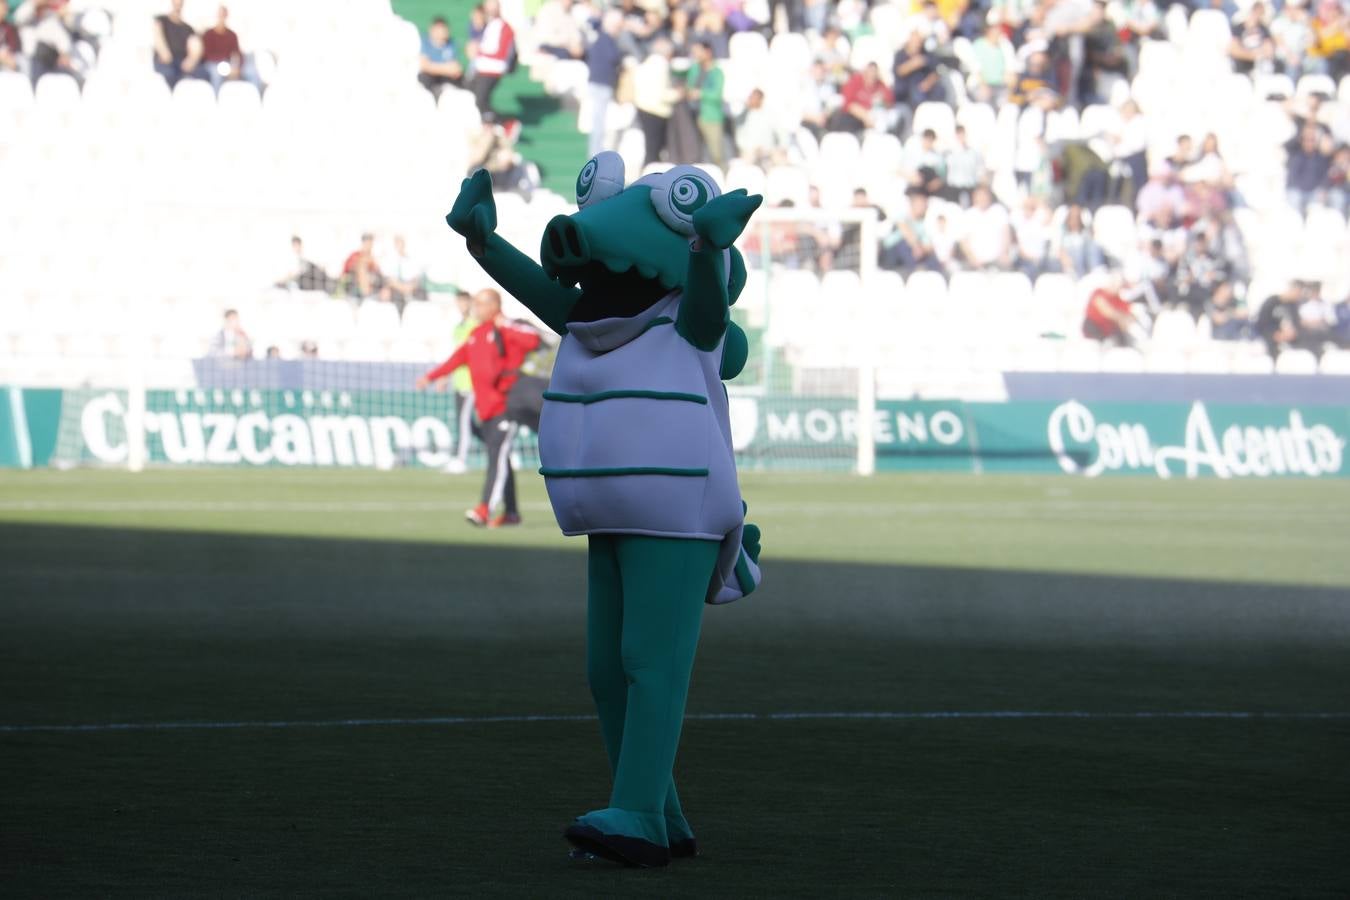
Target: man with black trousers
<point>494,352</point>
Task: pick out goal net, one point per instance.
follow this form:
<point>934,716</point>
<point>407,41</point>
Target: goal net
<point>806,399</point>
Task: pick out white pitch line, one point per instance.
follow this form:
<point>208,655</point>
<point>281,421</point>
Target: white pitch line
<point>916,715</point>
<point>1015,509</point>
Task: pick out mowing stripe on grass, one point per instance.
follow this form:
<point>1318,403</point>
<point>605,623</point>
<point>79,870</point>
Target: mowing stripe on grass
<point>919,715</point>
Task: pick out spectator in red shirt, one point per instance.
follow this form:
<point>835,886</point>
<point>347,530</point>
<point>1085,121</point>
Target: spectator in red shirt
<point>10,48</point>
<point>361,275</point>
<point>1109,317</point>
<point>222,58</point>
<point>866,97</point>
<point>494,353</point>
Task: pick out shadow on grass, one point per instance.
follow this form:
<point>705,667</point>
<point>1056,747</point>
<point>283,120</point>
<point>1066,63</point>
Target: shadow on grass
<point>232,625</point>
<point>105,625</point>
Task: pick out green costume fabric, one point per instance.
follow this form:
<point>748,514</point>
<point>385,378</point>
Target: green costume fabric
<point>644,610</point>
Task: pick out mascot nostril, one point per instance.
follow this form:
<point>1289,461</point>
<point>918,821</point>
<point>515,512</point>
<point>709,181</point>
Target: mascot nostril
<point>635,446</point>
<point>573,237</point>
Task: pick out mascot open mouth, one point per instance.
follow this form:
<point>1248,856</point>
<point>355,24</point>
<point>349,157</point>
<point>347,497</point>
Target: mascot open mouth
<point>612,284</point>
<point>611,288</point>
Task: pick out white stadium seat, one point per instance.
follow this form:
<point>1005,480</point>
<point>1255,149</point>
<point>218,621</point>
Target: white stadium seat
<point>786,183</point>
<point>1273,87</point>
<point>239,100</point>
<point>937,116</point>
<point>377,319</point>
<point>926,287</point>
<point>1245,363</point>
<point>1296,362</point>
<point>1113,227</point>
<point>745,175</point>
<point>748,47</point>
<point>795,287</point>
<point>16,92</point>
<point>839,152</point>
<point>57,92</point>
<point>1209,359</point>
<point>1166,361</point>
<point>193,97</point>
<point>1208,33</point>
<point>1081,357</point>
<point>791,50</point>
<point>1335,362</point>
<point>1098,120</point>
<point>1122,359</point>
<point>840,286</point>
<point>1173,329</point>
<point>1316,84</point>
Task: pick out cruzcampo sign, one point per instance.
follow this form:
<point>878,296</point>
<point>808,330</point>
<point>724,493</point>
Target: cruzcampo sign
<point>389,429</point>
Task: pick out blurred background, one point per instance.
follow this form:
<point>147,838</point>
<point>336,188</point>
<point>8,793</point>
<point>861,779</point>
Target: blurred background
<point>981,203</point>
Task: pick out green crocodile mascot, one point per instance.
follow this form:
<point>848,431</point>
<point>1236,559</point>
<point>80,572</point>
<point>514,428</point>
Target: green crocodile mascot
<point>636,453</point>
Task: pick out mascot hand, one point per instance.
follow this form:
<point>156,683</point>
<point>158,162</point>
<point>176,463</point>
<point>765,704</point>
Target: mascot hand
<point>722,219</point>
<point>750,540</point>
<point>474,215</point>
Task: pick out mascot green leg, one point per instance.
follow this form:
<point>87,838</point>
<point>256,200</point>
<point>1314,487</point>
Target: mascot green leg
<point>646,599</point>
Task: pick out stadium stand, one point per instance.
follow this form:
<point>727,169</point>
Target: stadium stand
<point>1132,153</point>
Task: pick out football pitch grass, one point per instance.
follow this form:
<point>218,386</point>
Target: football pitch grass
<point>1152,681</point>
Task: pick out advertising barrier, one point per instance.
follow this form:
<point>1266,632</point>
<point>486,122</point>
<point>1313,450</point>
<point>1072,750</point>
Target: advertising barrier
<point>389,429</point>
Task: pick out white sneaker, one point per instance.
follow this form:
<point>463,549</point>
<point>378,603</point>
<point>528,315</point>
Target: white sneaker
<point>455,467</point>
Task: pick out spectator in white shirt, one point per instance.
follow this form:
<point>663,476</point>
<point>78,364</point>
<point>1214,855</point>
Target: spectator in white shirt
<point>987,243</point>
<point>231,342</point>
<point>757,139</point>
<point>557,32</point>
<point>655,96</point>
<point>819,99</point>
<point>965,168</point>
<point>1031,227</point>
<point>404,276</point>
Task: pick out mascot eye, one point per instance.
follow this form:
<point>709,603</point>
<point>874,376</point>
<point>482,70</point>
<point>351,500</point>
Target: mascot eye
<point>686,191</point>
<point>600,179</point>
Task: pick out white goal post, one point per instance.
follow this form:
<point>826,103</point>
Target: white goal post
<point>859,311</point>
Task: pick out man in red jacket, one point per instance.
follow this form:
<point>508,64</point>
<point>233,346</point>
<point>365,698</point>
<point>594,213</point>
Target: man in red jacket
<point>494,353</point>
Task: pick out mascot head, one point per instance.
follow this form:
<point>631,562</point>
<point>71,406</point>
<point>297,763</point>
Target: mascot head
<point>626,248</point>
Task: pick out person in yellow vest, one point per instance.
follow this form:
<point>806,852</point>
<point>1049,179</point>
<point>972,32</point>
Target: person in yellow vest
<point>462,386</point>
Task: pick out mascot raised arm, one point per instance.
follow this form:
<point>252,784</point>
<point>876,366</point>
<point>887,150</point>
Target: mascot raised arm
<point>635,447</point>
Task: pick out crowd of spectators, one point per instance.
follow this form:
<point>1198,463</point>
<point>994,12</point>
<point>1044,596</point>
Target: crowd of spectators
<point>394,277</point>
<point>213,55</point>
<point>1042,56</point>
<point>40,37</point>
<point>489,54</point>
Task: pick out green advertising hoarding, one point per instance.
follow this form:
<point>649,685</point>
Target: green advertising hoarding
<point>389,429</point>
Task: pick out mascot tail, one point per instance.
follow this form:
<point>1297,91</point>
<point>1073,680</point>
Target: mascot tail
<point>737,573</point>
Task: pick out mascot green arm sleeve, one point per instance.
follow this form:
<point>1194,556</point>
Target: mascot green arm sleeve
<point>474,215</point>
<point>522,278</point>
<point>704,314</point>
